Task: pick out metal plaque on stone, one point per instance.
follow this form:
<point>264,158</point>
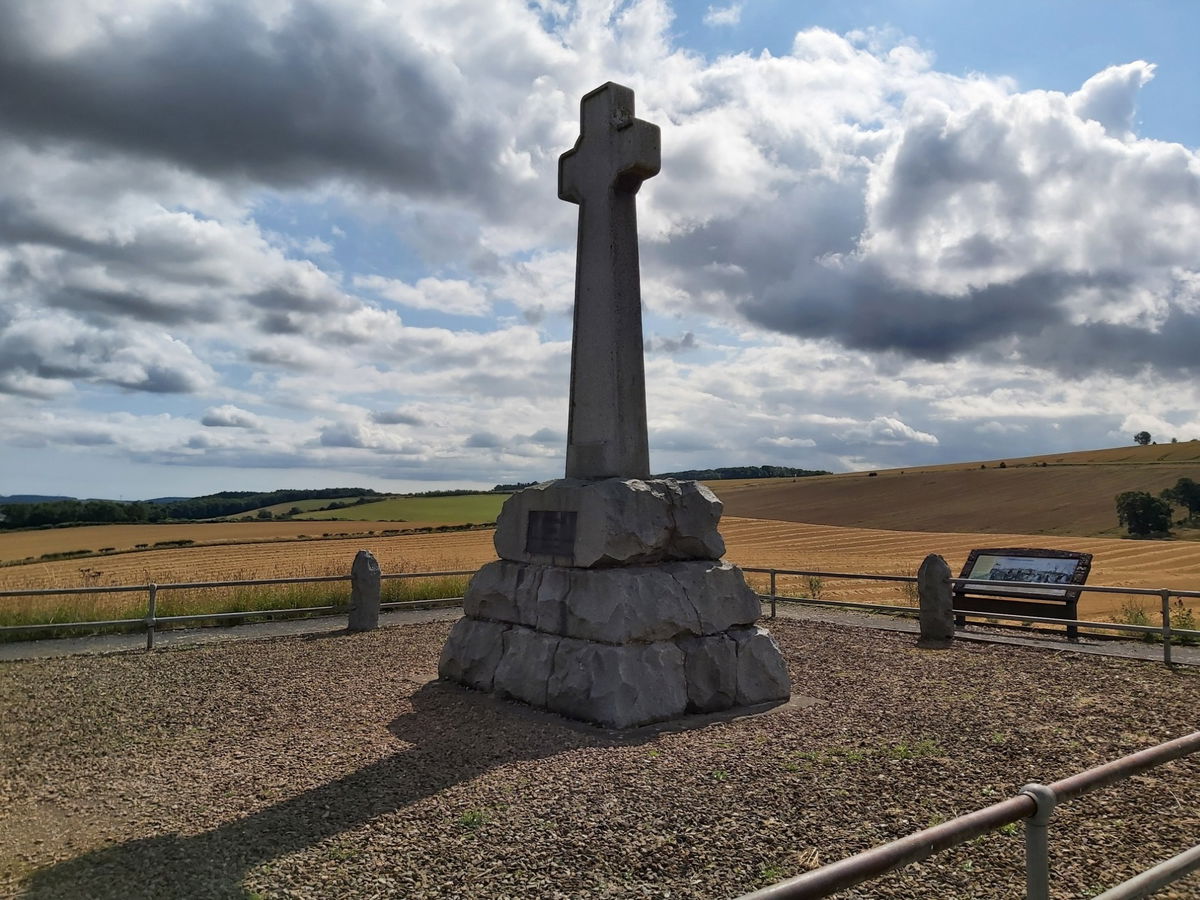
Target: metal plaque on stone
<point>551,533</point>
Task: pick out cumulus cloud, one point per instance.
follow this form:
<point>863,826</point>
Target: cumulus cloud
<point>848,255</point>
<point>723,15</point>
<point>1110,97</point>
<point>395,417</point>
<point>229,416</point>
<point>445,295</point>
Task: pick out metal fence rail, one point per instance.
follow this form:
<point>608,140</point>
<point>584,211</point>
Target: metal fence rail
<point>152,620</point>
<point>1165,630</point>
<point>1035,804</point>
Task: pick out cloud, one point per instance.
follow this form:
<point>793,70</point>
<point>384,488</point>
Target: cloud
<point>280,94</point>
<point>229,416</point>
<point>1109,97</point>
<point>342,435</point>
<point>886,430</point>
<point>848,258</point>
<point>485,440</point>
<point>685,342</point>
<point>395,417</point>
<point>43,354</point>
<point>449,296</point>
<point>723,15</point>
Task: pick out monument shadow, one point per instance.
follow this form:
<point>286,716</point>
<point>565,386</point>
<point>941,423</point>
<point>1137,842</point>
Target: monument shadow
<point>450,746</point>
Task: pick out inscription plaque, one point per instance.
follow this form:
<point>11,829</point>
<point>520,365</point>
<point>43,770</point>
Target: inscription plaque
<point>551,532</point>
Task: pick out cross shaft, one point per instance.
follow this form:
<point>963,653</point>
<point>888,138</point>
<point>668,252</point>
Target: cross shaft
<point>615,153</point>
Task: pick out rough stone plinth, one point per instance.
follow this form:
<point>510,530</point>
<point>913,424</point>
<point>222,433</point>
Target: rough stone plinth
<point>618,521</point>
<point>617,685</point>
<point>614,606</point>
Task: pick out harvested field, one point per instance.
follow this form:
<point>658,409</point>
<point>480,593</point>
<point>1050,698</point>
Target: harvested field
<point>261,775</point>
<point>790,545</point>
<point>750,542</point>
<point>17,545</point>
<point>396,553</point>
<point>1071,499</point>
<point>474,508</point>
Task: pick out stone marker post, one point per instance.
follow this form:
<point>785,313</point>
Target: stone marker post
<point>610,602</point>
<point>365,591</point>
<point>937,604</point>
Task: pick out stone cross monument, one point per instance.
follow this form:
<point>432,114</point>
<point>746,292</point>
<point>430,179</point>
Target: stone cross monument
<point>610,602</point>
<point>615,153</point>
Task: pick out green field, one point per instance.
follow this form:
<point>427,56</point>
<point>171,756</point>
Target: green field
<point>476,508</point>
<point>304,505</point>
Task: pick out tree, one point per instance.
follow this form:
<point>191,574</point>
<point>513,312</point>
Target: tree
<point>1186,493</point>
<point>265,514</point>
<point>1143,514</point>
<point>1142,437</point>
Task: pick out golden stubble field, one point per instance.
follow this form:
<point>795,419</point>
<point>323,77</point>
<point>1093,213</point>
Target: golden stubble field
<point>750,542</point>
<point>18,545</point>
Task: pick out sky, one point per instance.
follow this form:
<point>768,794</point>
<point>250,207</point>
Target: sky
<point>261,244</point>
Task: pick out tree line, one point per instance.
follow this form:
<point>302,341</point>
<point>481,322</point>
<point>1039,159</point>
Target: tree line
<point>210,506</point>
<point>1143,514</point>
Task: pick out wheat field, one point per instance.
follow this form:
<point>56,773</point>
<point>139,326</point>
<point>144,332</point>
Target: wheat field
<point>750,542</point>
<point>20,545</point>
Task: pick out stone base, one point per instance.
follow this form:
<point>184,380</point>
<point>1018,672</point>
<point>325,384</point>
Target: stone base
<point>616,647</point>
<point>616,685</point>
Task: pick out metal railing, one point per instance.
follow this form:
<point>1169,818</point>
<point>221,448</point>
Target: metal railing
<point>152,620</point>
<point>1035,804</point>
<point>1165,631</point>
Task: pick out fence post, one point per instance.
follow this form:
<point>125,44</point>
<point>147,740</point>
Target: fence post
<point>151,614</point>
<point>1037,842</point>
<point>1166,627</point>
<point>772,593</point>
<point>365,589</point>
<point>936,604</point>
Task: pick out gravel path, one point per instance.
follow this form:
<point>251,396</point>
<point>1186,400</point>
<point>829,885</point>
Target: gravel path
<point>329,766</point>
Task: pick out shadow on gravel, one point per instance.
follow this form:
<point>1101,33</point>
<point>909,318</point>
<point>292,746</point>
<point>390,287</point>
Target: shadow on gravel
<point>456,735</point>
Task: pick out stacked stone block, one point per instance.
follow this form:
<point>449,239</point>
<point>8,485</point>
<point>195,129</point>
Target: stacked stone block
<point>627,617</point>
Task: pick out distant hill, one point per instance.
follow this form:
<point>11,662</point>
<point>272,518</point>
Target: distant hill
<point>69,511</point>
<point>742,472</point>
<point>1059,493</point>
<point>30,498</point>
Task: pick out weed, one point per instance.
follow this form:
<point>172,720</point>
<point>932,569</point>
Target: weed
<point>770,874</point>
<point>1010,829</point>
<point>472,819</point>
<point>816,586</point>
<point>720,775</point>
<point>1134,612</point>
<point>1183,618</point>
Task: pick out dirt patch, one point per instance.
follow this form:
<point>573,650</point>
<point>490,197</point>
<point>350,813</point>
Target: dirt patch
<point>328,767</point>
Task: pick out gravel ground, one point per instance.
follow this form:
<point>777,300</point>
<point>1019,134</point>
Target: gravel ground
<point>330,766</point>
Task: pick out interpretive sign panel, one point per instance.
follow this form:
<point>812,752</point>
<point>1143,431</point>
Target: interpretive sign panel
<point>1040,567</point>
<point>1049,574</point>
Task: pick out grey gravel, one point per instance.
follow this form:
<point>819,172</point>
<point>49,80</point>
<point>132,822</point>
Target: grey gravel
<point>333,766</point>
